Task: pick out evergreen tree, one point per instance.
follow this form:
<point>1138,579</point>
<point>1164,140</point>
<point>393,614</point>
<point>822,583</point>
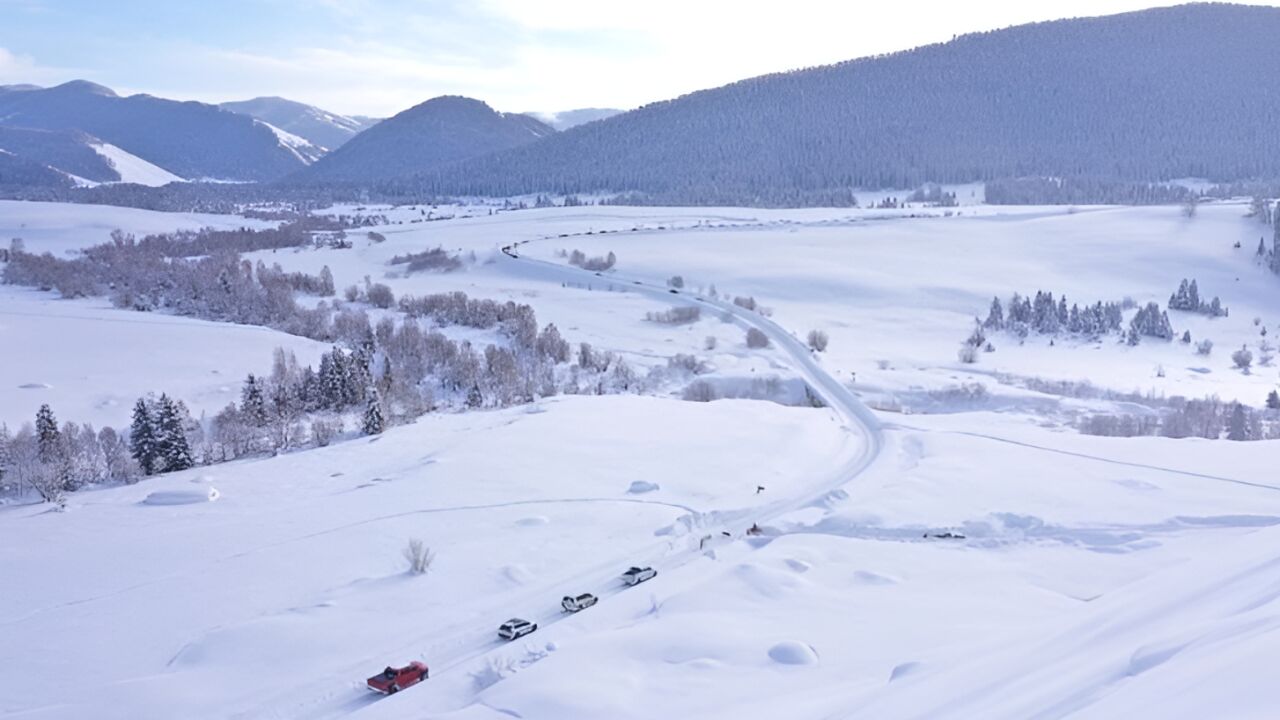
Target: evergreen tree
<point>373,422</point>
<point>475,398</point>
<point>995,316</point>
<point>253,402</point>
<point>171,437</point>
<point>1273,402</point>
<point>142,438</point>
<point>1238,427</point>
<point>48,437</point>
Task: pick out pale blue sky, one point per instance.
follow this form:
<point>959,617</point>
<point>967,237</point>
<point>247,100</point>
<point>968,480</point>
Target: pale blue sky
<point>377,57</point>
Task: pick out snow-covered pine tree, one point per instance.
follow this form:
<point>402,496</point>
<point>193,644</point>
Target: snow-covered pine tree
<point>373,422</point>
<point>1238,426</point>
<point>1273,403</point>
<point>142,438</point>
<point>475,398</point>
<point>253,402</point>
<point>48,437</point>
<point>171,437</point>
<point>995,316</point>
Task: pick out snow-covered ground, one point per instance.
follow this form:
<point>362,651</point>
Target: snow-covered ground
<point>59,228</point>
<point>91,362</point>
<point>989,562</point>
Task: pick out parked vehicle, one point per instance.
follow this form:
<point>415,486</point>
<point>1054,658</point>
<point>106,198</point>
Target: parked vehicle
<point>581,602</point>
<point>393,680</point>
<point>636,575</point>
<point>516,628</point>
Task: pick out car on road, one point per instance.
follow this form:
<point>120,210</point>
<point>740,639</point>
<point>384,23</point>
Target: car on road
<point>571,603</point>
<point>637,575</point>
<point>393,680</point>
<point>516,628</point>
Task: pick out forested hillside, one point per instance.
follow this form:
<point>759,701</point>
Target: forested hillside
<point>436,132</point>
<point>1165,93</point>
<point>189,139</point>
<point>66,150</point>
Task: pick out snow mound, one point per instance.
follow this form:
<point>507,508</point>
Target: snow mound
<point>793,653</point>
<point>642,486</point>
<point>182,497</point>
<point>533,521</point>
<point>799,566</point>
<point>902,670</point>
<point>863,577</point>
<point>517,574</point>
<point>202,479</point>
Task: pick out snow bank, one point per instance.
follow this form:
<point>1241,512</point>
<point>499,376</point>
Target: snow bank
<point>182,497</point>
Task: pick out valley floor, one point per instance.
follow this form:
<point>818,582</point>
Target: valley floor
<point>948,557</point>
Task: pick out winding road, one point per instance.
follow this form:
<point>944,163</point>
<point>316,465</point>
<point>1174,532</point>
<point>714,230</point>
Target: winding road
<point>452,648</point>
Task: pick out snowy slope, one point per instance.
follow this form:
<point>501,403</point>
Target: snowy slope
<point>300,147</point>
<point>60,228</point>
<point>95,361</point>
<point>134,169</point>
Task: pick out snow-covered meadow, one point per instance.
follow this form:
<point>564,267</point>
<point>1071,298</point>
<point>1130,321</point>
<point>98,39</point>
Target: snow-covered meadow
<point>991,561</point>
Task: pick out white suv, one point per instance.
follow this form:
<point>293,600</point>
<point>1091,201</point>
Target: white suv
<point>635,575</point>
<point>515,627</point>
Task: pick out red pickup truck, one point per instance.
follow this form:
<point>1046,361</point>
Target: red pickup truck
<point>394,680</point>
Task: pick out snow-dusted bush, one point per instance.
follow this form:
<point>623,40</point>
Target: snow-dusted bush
<point>818,340</point>
<point>675,316</point>
<point>676,281</point>
<point>1204,347</point>
<point>699,391</point>
<point>380,296</point>
<point>595,264</point>
<point>709,343</point>
<point>967,354</point>
<point>748,303</point>
<point>757,339</point>
<point>323,431</point>
<point>1243,359</point>
<point>689,364</point>
<point>419,556</point>
<point>434,259</point>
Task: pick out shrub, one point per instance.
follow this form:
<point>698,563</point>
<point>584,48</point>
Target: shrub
<point>676,281</point>
<point>322,431</point>
<point>419,556</point>
<point>699,391</point>
<point>968,354</point>
<point>818,340</point>
<point>380,296</point>
<point>433,259</point>
<point>710,342</point>
<point>1204,347</point>
<point>1242,358</point>
<point>675,316</point>
<point>745,302</point>
<point>757,339</point>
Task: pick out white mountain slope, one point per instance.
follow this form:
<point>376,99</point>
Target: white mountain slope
<point>134,169</point>
<point>302,148</point>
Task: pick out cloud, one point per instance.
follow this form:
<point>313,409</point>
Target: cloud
<point>23,69</point>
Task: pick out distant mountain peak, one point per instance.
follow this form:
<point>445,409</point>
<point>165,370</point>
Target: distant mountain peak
<point>84,86</point>
<point>436,132</point>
